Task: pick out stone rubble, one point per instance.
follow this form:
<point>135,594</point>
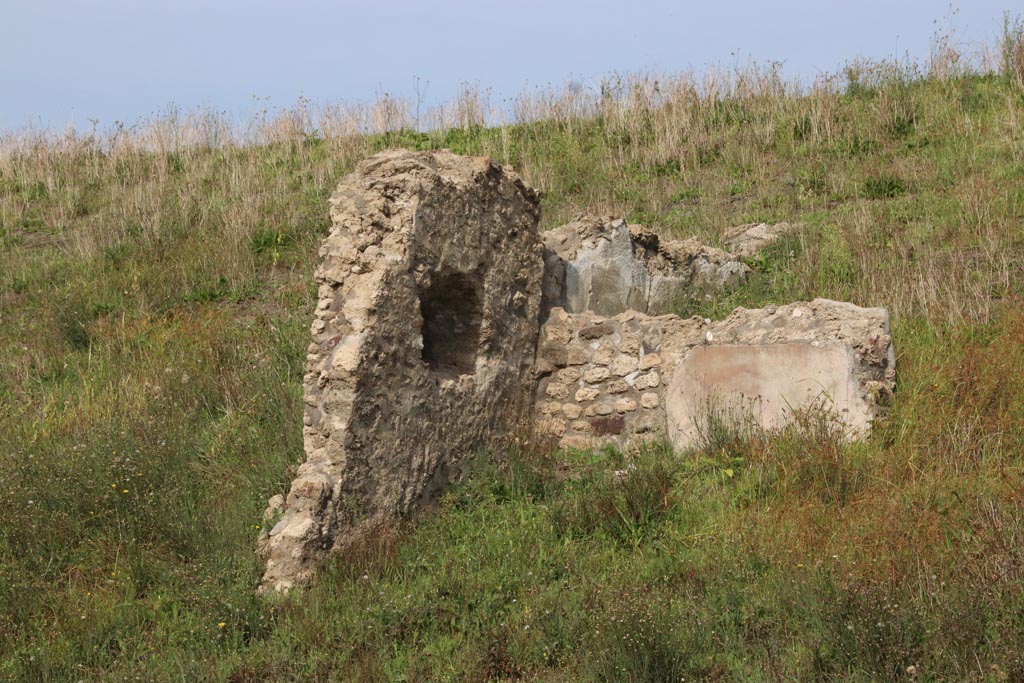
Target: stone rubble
<point>606,266</point>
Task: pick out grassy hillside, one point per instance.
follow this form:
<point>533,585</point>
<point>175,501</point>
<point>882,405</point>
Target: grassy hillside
<point>155,295</point>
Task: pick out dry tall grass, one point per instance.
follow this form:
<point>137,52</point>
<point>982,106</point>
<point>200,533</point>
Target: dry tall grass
<point>684,152</point>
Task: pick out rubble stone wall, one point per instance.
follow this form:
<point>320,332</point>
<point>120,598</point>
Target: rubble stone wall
<point>422,351</point>
<point>612,380</point>
<point>602,379</point>
<point>446,327</point>
<point>607,266</point>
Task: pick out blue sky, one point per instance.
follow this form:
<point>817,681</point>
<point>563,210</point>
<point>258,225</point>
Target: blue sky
<point>115,60</point>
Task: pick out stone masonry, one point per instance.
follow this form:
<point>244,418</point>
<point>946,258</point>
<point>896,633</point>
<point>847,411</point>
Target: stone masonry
<point>422,350</point>
<point>616,379</point>
<point>446,327</point>
<point>606,266</point>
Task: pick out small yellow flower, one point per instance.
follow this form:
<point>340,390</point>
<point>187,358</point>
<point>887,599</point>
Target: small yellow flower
<point>221,624</point>
<point>124,491</point>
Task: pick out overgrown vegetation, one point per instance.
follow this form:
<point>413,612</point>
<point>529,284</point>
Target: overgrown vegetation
<point>155,294</point>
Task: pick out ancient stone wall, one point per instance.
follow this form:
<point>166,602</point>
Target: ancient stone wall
<point>607,266</point>
<point>763,365</point>
<point>602,379</point>
<point>423,346</point>
<point>611,380</point>
<point>445,327</point>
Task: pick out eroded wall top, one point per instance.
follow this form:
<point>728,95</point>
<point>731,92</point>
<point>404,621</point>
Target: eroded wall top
<point>607,266</point>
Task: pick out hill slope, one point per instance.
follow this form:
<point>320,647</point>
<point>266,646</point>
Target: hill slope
<point>154,308</point>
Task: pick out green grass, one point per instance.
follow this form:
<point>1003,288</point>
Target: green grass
<point>154,311</point>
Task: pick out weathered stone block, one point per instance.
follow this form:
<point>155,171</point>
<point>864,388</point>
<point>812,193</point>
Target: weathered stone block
<point>608,267</point>
<point>768,364</point>
<point>650,400</point>
<point>610,425</point>
<point>624,364</point>
<point>651,360</point>
<point>650,380</point>
<point>751,238</point>
<point>625,405</point>
<point>763,386</point>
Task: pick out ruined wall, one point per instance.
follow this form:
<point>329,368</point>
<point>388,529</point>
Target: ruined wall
<point>602,379</point>
<point>607,266</point>
<point>423,345</point>
<point>446,327</point>
<point>612,380</point>
<point>763,365</point>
